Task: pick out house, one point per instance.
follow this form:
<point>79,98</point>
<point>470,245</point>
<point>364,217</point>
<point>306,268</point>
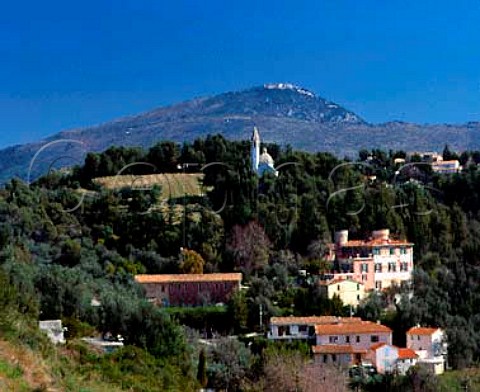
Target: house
<point>339,354</point>
<point>384,357</point>
<point>389,359</point>
<point>430,346</point>
<point>348,342</point>
<point>189,289</point>
<point>378,262</point>
<point>54,330</point>
<point>446,167</point>
<point>360,335</point>
<point>303,328</point>
<point>406,359</point>
<point>349,291</point>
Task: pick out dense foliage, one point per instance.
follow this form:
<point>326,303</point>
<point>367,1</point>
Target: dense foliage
<point>67,244</point>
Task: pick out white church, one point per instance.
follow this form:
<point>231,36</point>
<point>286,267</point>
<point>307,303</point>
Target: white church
<point>263,163</point>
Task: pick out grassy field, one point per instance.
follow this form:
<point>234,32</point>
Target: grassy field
<point>173,185</point>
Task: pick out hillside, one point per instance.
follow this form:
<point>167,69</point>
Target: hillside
<point>285,114</point>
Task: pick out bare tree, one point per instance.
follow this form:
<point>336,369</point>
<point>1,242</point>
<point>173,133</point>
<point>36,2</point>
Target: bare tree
<point>250,246</point>
<point>291,372</point>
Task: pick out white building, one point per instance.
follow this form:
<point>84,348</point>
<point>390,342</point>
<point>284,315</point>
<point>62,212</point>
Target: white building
<point>389,359</point>
<point>263,163</point>
<point>430,346</point>
<point>293,328</point>
<point>54,330</point>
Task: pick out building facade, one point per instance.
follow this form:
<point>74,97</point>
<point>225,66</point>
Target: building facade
<point>302,328</point>
<point>378,262</point>
<point>189,289</point>
<point>431,347</point>
<point>351,292</point>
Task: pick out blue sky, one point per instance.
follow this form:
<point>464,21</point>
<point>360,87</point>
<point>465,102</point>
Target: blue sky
<point>70,64</point>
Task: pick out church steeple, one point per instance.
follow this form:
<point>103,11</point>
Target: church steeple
<point>255,149</point>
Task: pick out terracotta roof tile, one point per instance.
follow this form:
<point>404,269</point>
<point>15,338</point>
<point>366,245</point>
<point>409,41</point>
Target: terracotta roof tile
<point>176,278</point>
<point>313,320</point>
<point>375,242</point>
<point>351,328</point>
<point>422,331</point>
<point>406,353</point>
<point>337,349</point>
<point>377,346</point>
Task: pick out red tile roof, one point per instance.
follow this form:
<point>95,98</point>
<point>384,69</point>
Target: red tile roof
<point>313,320</point>
<point>339,280</point>
<point>422,331</point>
<point>406,353</point>
<point>351,328</point>
<point>375,242</point>
<point>376,346</point>
<point>177,278</point>
<point>337,349</point>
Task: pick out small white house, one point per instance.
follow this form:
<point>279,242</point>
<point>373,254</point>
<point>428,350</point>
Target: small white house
<point>54,330</point>
<point>384,357</point>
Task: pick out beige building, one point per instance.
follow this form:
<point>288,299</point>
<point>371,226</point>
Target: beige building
<point>349,291</point>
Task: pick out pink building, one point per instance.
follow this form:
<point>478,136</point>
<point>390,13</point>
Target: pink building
<point>378,262</point>
<point>189,289</point>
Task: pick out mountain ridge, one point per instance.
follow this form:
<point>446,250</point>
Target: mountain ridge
<point>285,113</point>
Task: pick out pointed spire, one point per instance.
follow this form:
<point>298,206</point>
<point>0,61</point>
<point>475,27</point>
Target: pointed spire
<point>255,135</point>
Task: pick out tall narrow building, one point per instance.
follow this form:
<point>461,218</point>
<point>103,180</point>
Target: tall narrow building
<point>260,163</point>
<point>255,149</point>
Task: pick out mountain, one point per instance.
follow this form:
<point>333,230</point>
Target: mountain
<point>284,114</point>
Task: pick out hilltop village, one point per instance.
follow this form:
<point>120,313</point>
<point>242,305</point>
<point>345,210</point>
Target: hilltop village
<point>220,265</point>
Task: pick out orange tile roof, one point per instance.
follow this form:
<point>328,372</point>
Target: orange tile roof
<point>339,280</point>
<point>377,346</point>
<point>313,320</point>
<point>375,242</point>
<point>422,331</point>
<point>351,328</point>
<point>337,349</point>
<point>176,278</point>
<point>406,353</point>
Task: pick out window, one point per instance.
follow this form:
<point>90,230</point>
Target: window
<point>392,267</point>
<point>378,284</point>
<point>358,286</point>
<point>302,328</point>
<point>347,339</point>
<point>403,266</point>
<point>374,338</point>
<point>403,251</point>
<point>358,297</point>
<point>392,251</point>
<point>365,267</point>
<point>325,358</point>
<point>338,287</point>
<point>333,339</point>
<point>358,339</point>
<point>334,358</point>
<point>378,267</point>
<point>376,251</point>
